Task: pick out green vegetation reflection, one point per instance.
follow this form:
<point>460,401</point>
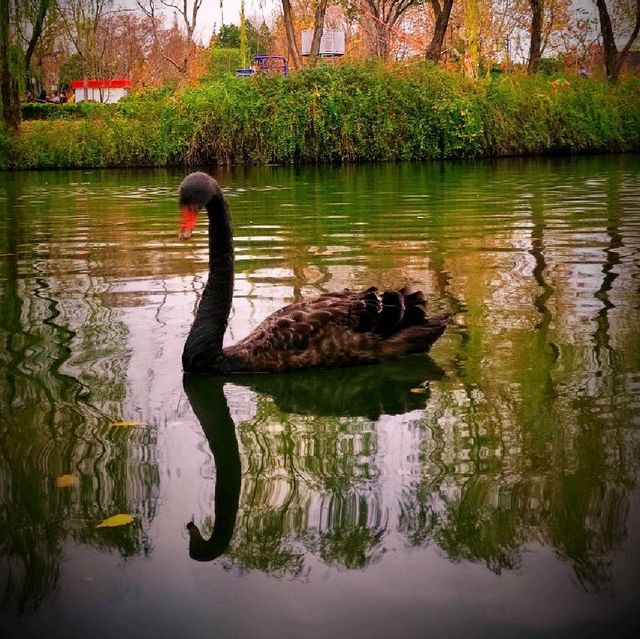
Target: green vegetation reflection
<point>520,430</point>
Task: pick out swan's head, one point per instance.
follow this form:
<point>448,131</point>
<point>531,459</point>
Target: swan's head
<point>196,192</point>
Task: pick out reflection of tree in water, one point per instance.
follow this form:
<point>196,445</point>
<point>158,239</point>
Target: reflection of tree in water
<point>300,490</point>
<point>354,535</point>
<point>56,408</point>
<point>528,442</point>
<point>474,529</point>
<point>588,522</point>
<point>612,259</point>
<point>525,460</point>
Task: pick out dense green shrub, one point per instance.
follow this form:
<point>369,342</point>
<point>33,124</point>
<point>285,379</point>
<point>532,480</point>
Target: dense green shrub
<point>67,111</point>
<point>336,113</point>
<point>535,114</point>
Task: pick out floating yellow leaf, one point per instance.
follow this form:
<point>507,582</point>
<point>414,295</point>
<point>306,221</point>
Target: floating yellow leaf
<point>67,481</point>
<point>116,520</point>
<point>419,389</point>
<point>128,424</point>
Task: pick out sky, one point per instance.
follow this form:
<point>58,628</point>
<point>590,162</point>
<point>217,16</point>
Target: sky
<point>209,13</point>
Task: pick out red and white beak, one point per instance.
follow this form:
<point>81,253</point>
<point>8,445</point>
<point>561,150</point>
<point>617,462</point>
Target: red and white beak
<point>188,217</point>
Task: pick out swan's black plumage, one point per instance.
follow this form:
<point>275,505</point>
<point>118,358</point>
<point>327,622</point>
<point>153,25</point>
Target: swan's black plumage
<point>334,329</point>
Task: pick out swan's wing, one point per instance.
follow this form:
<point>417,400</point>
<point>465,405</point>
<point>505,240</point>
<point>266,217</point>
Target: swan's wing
<point>337,329</point>
<point>312,323</point>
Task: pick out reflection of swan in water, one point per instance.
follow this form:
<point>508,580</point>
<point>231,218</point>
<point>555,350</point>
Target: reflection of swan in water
<point>392,388</point>
<point>356,392</point>
<point>210,407</point>
<point>335,329</point>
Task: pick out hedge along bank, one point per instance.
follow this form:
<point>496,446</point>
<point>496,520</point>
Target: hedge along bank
<point>344,113</point>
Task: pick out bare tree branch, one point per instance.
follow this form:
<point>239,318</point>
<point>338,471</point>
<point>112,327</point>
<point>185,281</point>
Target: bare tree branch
<point>149,9</point>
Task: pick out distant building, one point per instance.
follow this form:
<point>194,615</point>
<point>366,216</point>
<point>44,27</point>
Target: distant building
<point>331,43</point>
<point>101,90</point>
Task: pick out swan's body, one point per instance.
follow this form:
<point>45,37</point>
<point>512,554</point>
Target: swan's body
<point>335,329</point>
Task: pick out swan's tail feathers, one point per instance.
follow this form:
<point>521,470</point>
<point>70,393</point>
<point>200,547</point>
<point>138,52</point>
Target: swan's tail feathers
<point>391,313</point>
<point>399,318</point>
<point>414,339</point>
<point>388,312</point>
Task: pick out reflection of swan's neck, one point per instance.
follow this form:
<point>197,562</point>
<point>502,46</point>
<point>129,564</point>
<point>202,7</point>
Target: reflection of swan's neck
<point>204,342</point>
<point>210,407</point>
<point>224,447</point>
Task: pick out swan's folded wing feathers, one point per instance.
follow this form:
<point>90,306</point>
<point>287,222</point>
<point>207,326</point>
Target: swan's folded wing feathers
<point>318,323</point>
<point>339,329</point>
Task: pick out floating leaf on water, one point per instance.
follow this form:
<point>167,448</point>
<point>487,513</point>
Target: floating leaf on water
<point>419,389</point>
<point>67,481</point>
<point>116,520</point>
<point>123,424</point>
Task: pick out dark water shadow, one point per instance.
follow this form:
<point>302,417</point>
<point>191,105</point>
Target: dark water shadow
<point>393,388</point>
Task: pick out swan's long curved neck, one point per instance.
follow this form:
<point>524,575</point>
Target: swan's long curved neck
<point>204,342</point>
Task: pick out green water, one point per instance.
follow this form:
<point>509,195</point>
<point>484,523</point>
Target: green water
<point>489,489</point>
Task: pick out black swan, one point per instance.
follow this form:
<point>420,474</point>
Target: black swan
<point>334,329</point>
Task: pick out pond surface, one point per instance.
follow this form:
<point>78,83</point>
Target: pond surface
<point>488,489</point>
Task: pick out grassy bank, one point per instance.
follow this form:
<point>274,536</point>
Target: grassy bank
<point>345,113</point>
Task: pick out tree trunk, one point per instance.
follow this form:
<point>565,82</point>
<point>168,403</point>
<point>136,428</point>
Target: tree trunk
<point>8,84</point>
<point>383,38</point>
<point>291,34</point>
<point>318,28</point>
<point>613,60</point>
<point>434,50</point>
<point>43,7</point>
<point>535,46</point>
